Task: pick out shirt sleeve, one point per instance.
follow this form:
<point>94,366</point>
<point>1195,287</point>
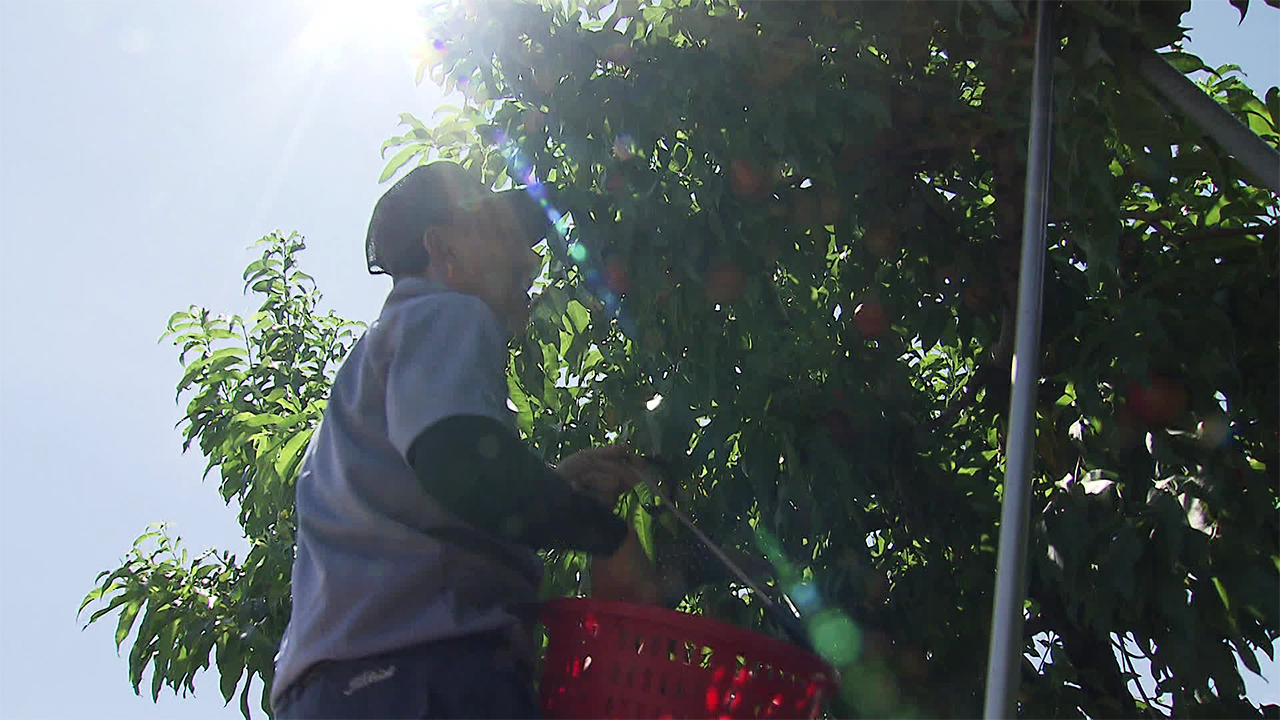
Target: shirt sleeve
<point>448,358</point>
<point>481,472</point>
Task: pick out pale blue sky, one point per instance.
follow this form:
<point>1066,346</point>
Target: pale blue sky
<point>143,146</point>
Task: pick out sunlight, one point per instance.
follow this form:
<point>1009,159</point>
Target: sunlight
<point>335,25</point>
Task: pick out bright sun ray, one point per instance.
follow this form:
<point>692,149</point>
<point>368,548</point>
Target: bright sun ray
<point>337,31</point>
<point>364,25</point>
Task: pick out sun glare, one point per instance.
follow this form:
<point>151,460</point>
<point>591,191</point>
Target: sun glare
<point>365,25</point>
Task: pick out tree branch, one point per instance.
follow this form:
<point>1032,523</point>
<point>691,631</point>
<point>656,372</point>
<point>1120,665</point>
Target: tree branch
<point>1218,233</point>
<point>1128,663</point>
<point>1152,222</point>
<point>1090,654</point>
<point>1147,216</point>
<point>1047,650</point>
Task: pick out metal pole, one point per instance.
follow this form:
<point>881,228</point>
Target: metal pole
<point>1259,160</point>
<point>1005,656</point>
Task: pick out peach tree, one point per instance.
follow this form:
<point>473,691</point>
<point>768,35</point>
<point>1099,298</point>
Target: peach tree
<point>786,273</point>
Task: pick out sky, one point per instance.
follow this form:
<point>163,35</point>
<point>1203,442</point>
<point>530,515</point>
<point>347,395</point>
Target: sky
<point>144,145</point>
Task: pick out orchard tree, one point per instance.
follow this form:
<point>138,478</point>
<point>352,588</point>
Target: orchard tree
<point>787,274</point>
<point>256,388</point>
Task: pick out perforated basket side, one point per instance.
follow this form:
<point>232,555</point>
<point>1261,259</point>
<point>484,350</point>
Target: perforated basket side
<point>608,659</point>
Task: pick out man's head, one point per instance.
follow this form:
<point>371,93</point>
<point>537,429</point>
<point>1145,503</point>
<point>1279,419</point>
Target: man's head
<point>439,222</point>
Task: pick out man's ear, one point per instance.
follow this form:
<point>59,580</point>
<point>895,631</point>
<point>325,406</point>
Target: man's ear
<point>442,256</point>
<point>438,249</point>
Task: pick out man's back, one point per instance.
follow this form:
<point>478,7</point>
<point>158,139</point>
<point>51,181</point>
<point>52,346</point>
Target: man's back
<point>381,565</point>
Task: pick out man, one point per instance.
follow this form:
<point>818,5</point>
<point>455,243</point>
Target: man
<point>419,511</point>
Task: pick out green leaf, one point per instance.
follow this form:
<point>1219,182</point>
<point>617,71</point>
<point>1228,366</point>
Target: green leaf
<point>389,143</point>
<point>1242,6</point>
<point>643,523</point>
<point>95,594</point>
<point>227,352</point>
<point>1248,657</point>
<point>551,372</point>
<point>189,376</point>
<point>259,267</point>
<point>1185,63</point>
<point>157,677</point>
<point>158,533</point>
<point>244,697</point>
<point>182,315</point>
<point>289,454</point>
<point>524,412</point>
<point>230,666</point>
<point>127,616</point>
<point>530,369</point>
<point>590,359</point>
<point>578,315</point>
<point>412,121</point>
<point>558,300</point>
<point>398,161</point>
<point>116,602</point>
<point>256,420</point>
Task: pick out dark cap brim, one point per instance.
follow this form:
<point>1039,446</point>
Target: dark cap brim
<point>425,196</point>
<point>534,217</point>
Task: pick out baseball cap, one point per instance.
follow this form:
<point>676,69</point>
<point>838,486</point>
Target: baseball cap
<point>430,194</point>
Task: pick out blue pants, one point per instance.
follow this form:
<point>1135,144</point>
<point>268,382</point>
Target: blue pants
<point>472,677</point>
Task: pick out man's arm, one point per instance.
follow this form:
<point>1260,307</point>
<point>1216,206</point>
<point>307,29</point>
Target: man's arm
<point>480,471</point>
<point>445,414</point>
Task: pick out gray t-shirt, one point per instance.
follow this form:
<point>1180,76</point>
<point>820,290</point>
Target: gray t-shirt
<point>380,565</point>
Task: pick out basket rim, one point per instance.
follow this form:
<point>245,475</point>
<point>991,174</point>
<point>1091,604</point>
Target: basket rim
<point>780,649</point>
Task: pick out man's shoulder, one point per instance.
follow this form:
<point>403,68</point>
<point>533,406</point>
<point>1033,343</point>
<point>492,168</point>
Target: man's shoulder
<point>444,314</point>
<point>450,303</point>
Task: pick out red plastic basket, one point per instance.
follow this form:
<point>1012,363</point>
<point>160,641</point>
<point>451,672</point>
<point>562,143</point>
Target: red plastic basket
<point>620,660</point>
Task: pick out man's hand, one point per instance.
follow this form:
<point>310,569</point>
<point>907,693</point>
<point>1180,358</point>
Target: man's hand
<point>603,473</point>
<point>627,575</point>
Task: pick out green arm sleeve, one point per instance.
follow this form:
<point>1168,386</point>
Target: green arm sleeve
<point>480,471</point>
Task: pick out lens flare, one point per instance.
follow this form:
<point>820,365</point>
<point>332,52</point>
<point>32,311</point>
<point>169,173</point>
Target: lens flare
<point>1214,432</point>
<point>520,171</point>
<point>836,637</point>
<point>623,147</point>
<point>805,597</point>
